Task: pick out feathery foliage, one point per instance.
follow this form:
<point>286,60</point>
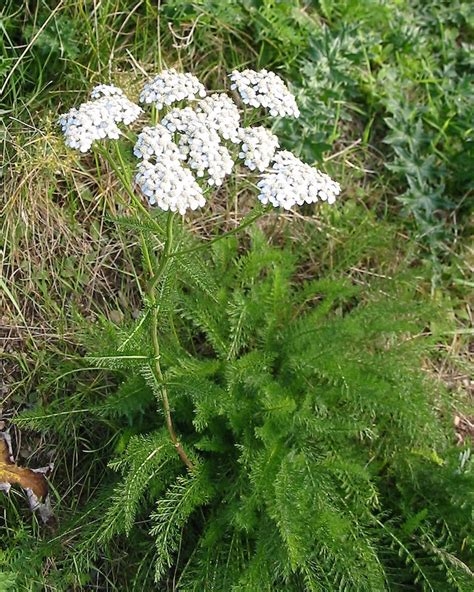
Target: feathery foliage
<point>257,395</point>
<point>321,461</point>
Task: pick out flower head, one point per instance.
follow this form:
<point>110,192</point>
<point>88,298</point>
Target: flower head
<point>106,90</point>
<point>97,119</point>
<point>169,185</point>
<point>170,87</point>
<point>161,176</point>
<point>188,144</point>
<point>121,110</point>
<point>156,142</point>
<point>199,144</point>
<point>257,148</point>
<point>264,89</point>
<point>90,122</point>
<point>292,182</point>
<point>222,115</point>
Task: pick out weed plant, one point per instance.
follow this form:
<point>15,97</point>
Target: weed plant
<point>294,356</point>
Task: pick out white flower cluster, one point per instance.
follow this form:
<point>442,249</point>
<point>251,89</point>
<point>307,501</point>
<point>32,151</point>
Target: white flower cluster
<point>265,89</point>
<point>257,148</point>
<point>165,182</point>
<point>169,186</point>
<point>106,90</point>
<point>199,144</point>
<point>170,87</point>
<point>154,143</point>
<point>222,115</point>
<point>292,182</point>
<point>121,110</point>
<point>97,119</point>
<point>194,137</point>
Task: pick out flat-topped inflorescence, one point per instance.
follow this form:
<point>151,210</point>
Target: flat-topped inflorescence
<point>257,148</point>
<point>98,119</point>
<point>120,108</point>
<point>106,90</point>
<point>188,143</point>
<point>161,176</point>
<point>170,87</point>
<point>291,182</point>
<point>265,89</point>
<point>183,121</point>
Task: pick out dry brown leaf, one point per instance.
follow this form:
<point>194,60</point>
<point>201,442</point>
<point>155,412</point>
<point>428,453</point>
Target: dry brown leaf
<point>32,481</point>
<point>13,474</point>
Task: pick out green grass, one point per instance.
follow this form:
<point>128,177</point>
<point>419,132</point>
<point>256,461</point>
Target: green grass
<point>385,94</point>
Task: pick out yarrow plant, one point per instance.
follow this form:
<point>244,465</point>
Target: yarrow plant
<point>290,410</point>
<point>185,150</point>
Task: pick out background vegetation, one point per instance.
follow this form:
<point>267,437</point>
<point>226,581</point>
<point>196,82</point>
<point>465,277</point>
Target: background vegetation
<point>376,402</point>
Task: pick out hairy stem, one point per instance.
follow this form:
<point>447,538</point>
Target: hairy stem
<point>165,257</point>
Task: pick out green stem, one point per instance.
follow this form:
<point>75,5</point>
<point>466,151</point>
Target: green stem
<point>166,255</point>
<point>146,254</point>
<point>164,260</point>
